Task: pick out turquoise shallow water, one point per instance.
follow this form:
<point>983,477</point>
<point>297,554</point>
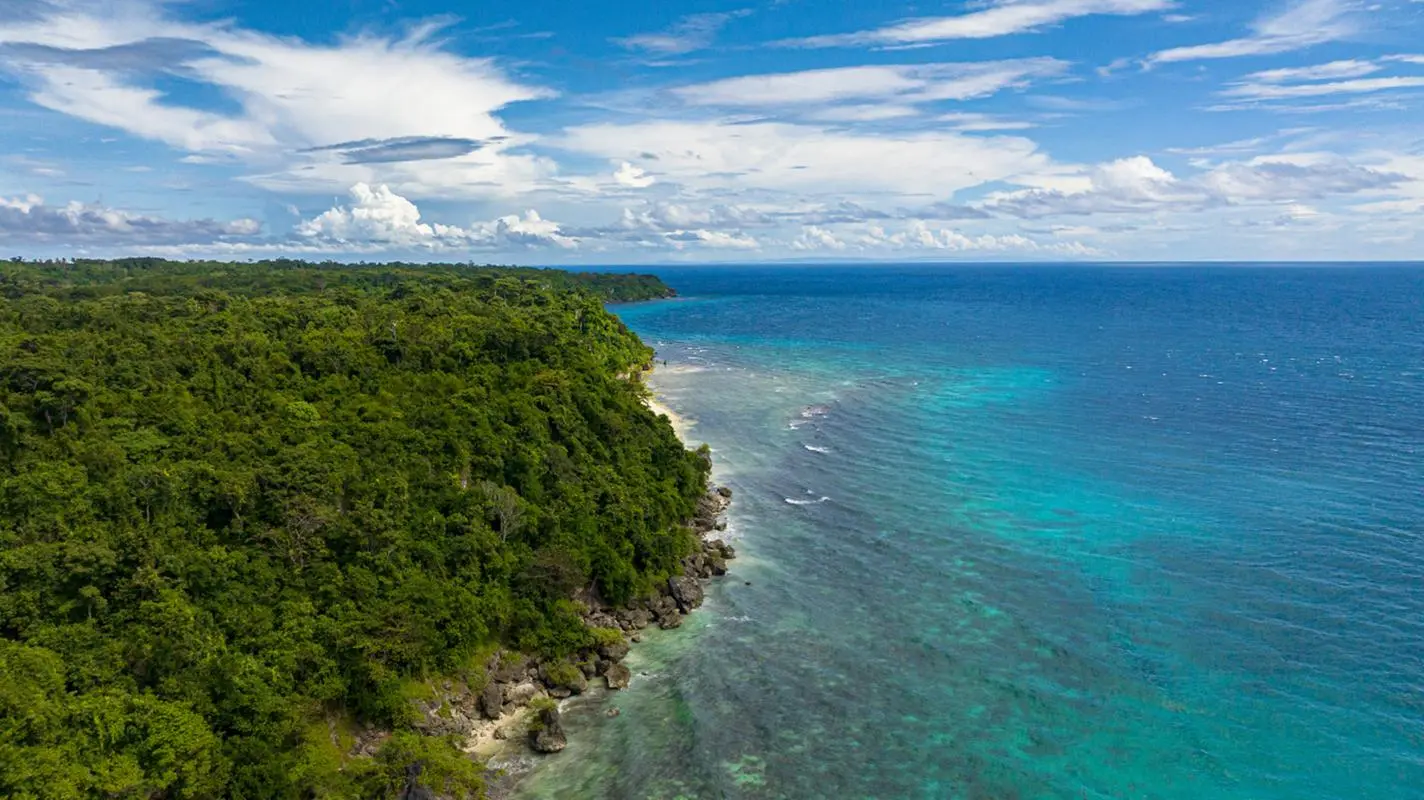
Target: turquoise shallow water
<point>1039,533</point>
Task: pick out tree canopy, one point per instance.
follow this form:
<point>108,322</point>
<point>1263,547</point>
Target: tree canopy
<point>241,501</point>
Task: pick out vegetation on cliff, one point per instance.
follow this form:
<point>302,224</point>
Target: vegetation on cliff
<point>242,505</point>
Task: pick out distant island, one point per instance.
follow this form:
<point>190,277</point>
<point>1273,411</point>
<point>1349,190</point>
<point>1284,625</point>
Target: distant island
<point>295,530</point>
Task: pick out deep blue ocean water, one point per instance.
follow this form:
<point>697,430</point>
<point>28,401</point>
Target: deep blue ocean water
<point>1040,532</point>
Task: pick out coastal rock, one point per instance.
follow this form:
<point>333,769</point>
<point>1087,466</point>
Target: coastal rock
<point>634,619</point>
<point>662,606</point>
<point>725,492</point>
<point>546,735</point>
<point>492,700</point>
<point>716,565</point>
<point>670,621</point>
<point>561,676</point>
<point>618,676</point>
<point>686,592</point>
<point>522,694</point>
<point>561,693</point>
<point>721,548</point>
<point>617,651</point>
<point>509,668</point>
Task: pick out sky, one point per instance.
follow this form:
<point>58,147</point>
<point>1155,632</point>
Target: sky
<point>601,132</point>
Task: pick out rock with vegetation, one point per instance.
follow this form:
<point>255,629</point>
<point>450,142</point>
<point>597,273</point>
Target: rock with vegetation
<point>546,730</point>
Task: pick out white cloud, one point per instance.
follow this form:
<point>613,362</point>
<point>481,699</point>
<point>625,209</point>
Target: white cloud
<point>814,237</point>
<point>105,64</point>
<point>1335,70</point>
<point>633,177</point>
<point>378,216</point>
<point>862,113</point>
<point>734,240</point>
<point>783,157</point>
<point>692,32</point>
<point>924,237</point>
<point>1252,91</point>
<point>905,84</point>
<point>1000,18</point>
<point>101,98</point>
<point>1301,24</point>
<point>530,230</point>
<point>1138,185</point>
<point>967,121</point>
<point>29,220</point>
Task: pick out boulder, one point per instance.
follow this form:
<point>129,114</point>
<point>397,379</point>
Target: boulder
<point>492,700</point>
<point>563,675</point>
<point>616,651</point>
<point>716,565</point>
<point>686,592</point>
<point>509,668</point>
<point>521,694</point>
<point>617,676</point>
<point>670,621</point>
<point>546,735</point>
<point>725,492</point>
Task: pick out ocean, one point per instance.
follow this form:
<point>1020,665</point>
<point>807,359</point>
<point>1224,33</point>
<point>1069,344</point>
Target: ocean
<point>1038,532</point>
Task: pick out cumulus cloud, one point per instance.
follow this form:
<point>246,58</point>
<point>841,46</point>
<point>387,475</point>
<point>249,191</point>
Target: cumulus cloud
<point>632,177</point>
<point>529,231</point>
<point>1301,24</point>
<point>380,217</point>
<point>29,220</point>
<point>999,18</point>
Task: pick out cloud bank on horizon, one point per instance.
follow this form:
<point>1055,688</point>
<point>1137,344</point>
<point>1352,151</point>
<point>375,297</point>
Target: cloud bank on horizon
<point>714,131</point>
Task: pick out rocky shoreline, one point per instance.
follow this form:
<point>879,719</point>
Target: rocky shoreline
<point>518,697</point>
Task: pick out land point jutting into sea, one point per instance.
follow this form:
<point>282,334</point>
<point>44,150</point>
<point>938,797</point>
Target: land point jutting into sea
<point>282,529</point>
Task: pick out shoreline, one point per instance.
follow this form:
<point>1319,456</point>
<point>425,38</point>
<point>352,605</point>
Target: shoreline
<point>518,711</point>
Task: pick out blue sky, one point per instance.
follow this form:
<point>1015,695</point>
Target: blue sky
<point>603,132</point>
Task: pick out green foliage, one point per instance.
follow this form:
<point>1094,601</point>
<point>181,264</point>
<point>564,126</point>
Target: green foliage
<point>236,500</point>
<point>562,673</point>
<point>604,637</point>
<point>537,707</point>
